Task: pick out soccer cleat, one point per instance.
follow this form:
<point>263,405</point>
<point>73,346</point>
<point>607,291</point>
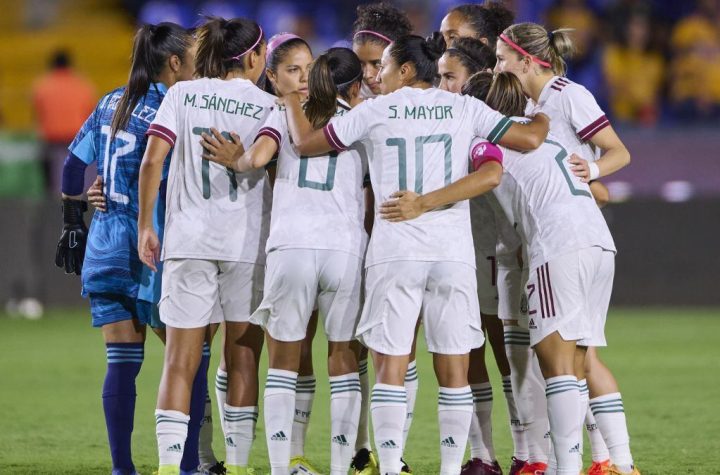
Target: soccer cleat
<point>365,463</point>
<point>299,465</point>
<point>217,468</point>
<point>598,468</point>
<point>238,470</point>
<point>516,466</point>
<point>613,470</point>
<point>405,468</point>
<point>535,468</point>
<point>475,466</point>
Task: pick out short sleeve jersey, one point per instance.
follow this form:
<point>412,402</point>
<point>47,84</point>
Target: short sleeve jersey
<point>212,211</point>
<point>554,211</point>
<point>111,262</point>
<point>418,139</point>
<point>575,116</point>
<point>317,201</point>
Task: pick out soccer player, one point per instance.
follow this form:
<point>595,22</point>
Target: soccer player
<point>484,22</point>
<point>424,267</point>
<point>112,274</point>
<point>377,25</point>
<point>216,227</point>
<point>315,251</point>
<point>536,57</point>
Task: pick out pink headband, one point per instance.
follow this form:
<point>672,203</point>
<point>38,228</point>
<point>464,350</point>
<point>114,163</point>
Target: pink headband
<point>374,33</point>
<point>260,37</point>
<point>517,48</point>
<point>276,41</point>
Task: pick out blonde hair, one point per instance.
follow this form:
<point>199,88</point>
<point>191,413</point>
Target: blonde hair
<point>551,47</point>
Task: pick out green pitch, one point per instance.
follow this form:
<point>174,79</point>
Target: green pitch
<point>51,373</point>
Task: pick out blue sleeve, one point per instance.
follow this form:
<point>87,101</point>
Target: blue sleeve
<point>83,146</point>
<point>73,176</point>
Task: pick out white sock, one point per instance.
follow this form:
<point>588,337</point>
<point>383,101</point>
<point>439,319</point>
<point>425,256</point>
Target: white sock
<point>304,397</point>
<point>563,400</point>
<point>599,450</point>
<point>240,433</point>
<point>480,432</point>
<point>528,387</point>
<point>388,405</point>
<point>171,430</point>
<point>221,385</point>
<point>610,416</point>
<point>518,430</point>
<point>455,411</point>
<point>345,398</point>
<point>279,409</point>
<point>363,435</point>
<point>205,449</point>
<point>411,387</point>
<point>584,406</point>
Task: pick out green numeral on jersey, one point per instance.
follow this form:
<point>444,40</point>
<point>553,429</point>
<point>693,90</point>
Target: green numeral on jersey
<point>560,158</point>
<point>206,168</point>
<point>420,143</point>
<point>303,182</point>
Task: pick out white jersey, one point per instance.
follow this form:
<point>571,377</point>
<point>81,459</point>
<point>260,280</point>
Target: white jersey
<point>212,212</point>
<point>575,116</point>
<point>483,223</point>
<point>554,211</point>
<point>317,202</point>
<point>418,139</point>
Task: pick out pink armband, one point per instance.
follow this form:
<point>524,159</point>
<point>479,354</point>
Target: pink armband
<point>485,152</point>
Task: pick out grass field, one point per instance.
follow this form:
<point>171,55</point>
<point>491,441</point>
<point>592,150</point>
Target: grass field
<point>51,372</point>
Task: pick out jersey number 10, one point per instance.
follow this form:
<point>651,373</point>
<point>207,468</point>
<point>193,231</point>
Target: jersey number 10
<point>420,143</point>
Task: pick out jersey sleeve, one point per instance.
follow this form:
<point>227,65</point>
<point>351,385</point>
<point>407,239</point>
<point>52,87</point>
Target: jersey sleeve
<point>487,122</point>
<point>582,109</point>
<point>165,125</point>
<point>275,127</point>
<point>482,151</point>
<point>344,130</point>
<point>83,145</point>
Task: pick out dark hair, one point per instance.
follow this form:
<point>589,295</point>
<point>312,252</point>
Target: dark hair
<point>382,18</point>
<point>503,92</point>
<point>221,43</point>
<point>277,56</point>
<point>152,47</point>
<point>422,53</point>
<point>60,59</point>
<point>332,74</point>
<point>488,20</point>
<point>473,54</point>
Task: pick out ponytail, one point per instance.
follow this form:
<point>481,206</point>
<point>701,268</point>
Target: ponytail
<point>152,47</point>
<point>503,92</point>
<point>543,47</point>
<point>332,74</point>
<point>223,45</point>
<point>421,53</point>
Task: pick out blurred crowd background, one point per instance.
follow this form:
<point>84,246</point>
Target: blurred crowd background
<point>654,66</point>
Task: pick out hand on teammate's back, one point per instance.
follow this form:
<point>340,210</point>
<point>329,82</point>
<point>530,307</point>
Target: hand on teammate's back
<point>217,148</point>
<point>71,246</point>
<point>96,196</point>
<point>580,167</point>
<point>404,205</point>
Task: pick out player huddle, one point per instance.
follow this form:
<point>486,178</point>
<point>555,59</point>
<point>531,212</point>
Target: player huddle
<point>448,180</point>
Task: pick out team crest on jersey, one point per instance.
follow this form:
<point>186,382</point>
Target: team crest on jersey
<point>524,303</point>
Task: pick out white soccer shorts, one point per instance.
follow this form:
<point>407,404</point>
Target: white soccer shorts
<point>193,288</point>
<point>444,294</point>
<point>564,296</point>
<point>487,279</point>
<point>512,299</point>
<point>298,278</point>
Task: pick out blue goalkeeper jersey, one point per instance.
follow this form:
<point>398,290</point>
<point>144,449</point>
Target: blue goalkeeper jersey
<point>111,261</point>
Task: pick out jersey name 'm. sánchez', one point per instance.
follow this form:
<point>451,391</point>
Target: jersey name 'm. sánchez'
<point>223,104</point>
<point>420,112</point>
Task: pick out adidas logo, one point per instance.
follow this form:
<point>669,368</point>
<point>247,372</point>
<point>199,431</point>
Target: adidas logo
<point>532,324</point>
<point>389,444</point>
<point>229,442</point>
<point>279,437</point>
<point>575,449</point>
<point>448,442</point>
<point>340,440</point>
<point>175,448</point>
